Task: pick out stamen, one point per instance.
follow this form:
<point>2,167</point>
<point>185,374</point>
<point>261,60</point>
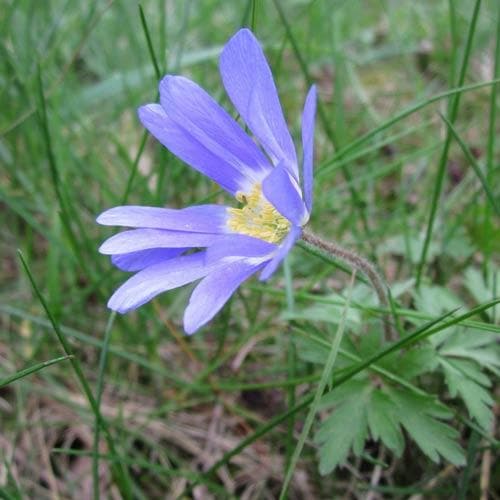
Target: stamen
<point>258,218</point>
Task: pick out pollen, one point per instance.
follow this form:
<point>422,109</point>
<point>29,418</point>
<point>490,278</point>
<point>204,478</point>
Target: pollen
<point>257,217</point>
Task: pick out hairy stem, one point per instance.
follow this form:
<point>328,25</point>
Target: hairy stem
<point>361,264</point>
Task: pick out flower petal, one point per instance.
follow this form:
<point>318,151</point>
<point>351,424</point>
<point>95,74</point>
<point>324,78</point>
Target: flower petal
<point>185,146</point>
<point>250,85</point>
<point>239,245</point>
<point>283,192</point>
<point>213,292</point>
<point>149,282</point>
<point>135,261</point>
<point>143,239</point>
<point>199,219</point>
<point>308,117</point>
<point>193,109</point>
<point>285,247</point>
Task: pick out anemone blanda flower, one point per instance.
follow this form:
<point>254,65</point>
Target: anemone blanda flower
<point>262,174</point>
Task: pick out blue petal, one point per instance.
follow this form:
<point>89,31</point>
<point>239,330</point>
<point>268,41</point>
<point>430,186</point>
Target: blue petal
<point>202,218</point>
<point>185,146</point>
<point>285,247</point>
<point>135,261</point>
<point>149,282</point>
<point>283,192</point>
<point>143,239</point>
<point>308,117</point>
<point>238,245</point>
<point>250,85</point>
<point>213,292</point>
<point>193,109</point>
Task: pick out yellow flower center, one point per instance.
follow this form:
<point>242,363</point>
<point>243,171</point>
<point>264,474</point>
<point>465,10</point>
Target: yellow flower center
<point>258,218</point>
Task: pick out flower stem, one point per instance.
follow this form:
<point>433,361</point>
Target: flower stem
<point>361,264</point>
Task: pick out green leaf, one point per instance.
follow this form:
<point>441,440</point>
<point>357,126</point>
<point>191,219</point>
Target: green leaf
<point>416,361</point>
<point>408,247</point>
<point>312,349</point>
<point>475,345</point>
<point>370,343</point>
<point>344,392</point>
<point>345,428</point>
<point>383,422</point>
<point>328,313</point>
<point>470,339</point>
<point>435,438</point>
<point>399,288</point>
<point>470,370</point>
<point>459,246</point>
<point>462,358</point>
<point>483,290</point>
<point>467,381</point>
<point>313,346</point>
<point>435,300</point>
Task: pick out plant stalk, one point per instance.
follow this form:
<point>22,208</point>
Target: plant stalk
<point>361,264</point>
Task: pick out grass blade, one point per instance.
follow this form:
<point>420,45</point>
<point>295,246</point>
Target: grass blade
<point>341,153</point>
<point>66,214</point>
<point>152,54</point>
<point>32,369</point>
<point>100,384</point>
<point>325,378</point>
<point>144,138</point>
<point>291,360</point>
<point>490,148</point>
<point>474,165</point>
<point>121,473</point>
<point>446,148</point>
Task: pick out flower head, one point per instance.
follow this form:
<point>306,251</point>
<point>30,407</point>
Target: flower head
<point>231,243</point>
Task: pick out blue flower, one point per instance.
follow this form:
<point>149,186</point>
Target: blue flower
<point>231,243</point>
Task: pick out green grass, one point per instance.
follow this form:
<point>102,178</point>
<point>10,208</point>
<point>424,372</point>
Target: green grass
<point>407,174</point>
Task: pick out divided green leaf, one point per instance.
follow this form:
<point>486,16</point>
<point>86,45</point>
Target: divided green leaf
<point>463,354</point>
<point>346,427</point>
<point>360,406</point>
